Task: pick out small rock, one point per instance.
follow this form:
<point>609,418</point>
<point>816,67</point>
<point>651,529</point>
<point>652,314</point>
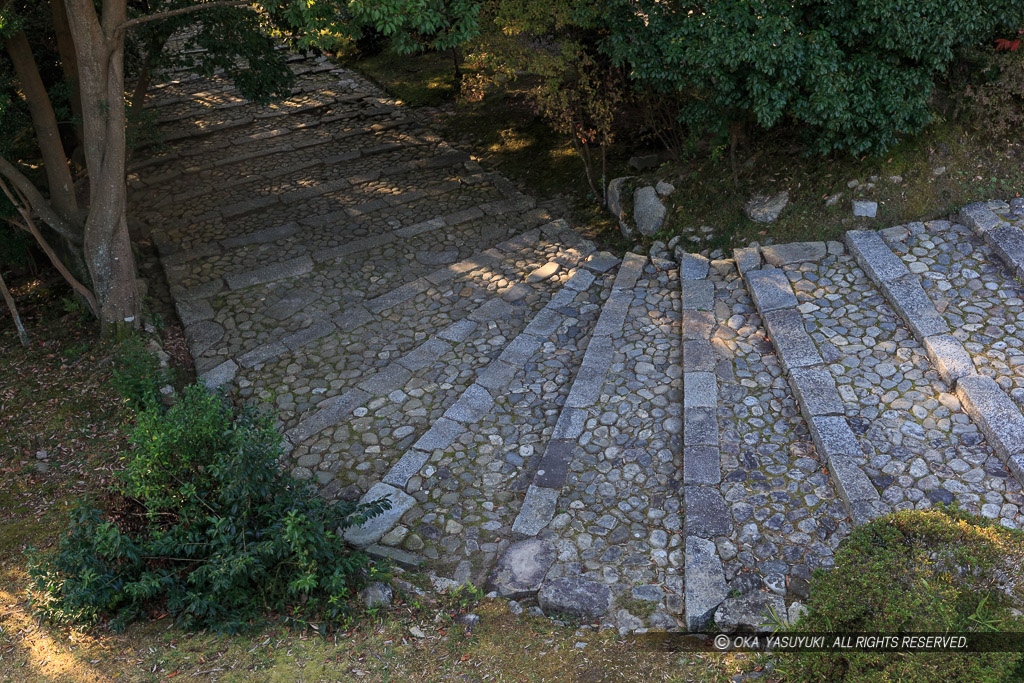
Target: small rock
<point>750,612</point>
<point>833,199</point>
<point>522,568</point>
<point>575,596</point>
<point>896,179</point>
<point>664,189</point>
<point>938,170</point>
<point>766,209</point>
<point>796,610</point>
<point>853,184</point>
<point>468,620</point>
<point>376,594</point>
<point>417,632</point>
<point>865,209</point>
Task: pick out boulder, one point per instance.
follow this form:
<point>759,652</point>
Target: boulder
<point>764,209</point>
<point>648,211</point>
<point>615,196</point>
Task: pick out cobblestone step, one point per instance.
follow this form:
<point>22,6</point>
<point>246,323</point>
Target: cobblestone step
<point>375,279</point>
<point>372,263</point>
<point>955,295</point>
<point>761,514</point>
<point>458,482</point>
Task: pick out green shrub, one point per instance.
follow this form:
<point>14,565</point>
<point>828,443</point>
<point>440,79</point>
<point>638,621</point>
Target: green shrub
<point>137,375</point>
<point>853,75</point>
<point>205,526</point>
<point>916,571</point>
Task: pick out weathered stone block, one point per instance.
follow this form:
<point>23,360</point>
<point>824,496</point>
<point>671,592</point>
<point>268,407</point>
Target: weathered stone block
<point>705,582</point>
<point>770,290</point>
<point>374,528</point>
<point>815,391</point>
<point>949,357</point>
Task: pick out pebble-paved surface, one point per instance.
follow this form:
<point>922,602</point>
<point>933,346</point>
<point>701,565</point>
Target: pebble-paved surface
<point>469,493</point>
<point>361,450</point>
<point>337,362</point>
<point>973,291</point>
<point>787,519</point>
<point>619,518</point>
<point>920,448</point>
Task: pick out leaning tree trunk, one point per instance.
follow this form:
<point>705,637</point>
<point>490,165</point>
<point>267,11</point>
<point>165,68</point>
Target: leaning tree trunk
<point>108,249</point>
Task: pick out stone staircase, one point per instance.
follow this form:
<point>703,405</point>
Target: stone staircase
<point>642,442</point>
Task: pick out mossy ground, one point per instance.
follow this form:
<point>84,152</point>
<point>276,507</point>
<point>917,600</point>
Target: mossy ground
<point>503,130</point>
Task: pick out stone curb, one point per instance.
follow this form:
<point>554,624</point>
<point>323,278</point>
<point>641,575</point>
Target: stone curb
<point>705,509</point>
<point>539,505</point>
<point>983,400</point>
<point>816,393</point>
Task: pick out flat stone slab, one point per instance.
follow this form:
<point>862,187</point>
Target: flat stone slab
<point>701,466</point>
<point>875,256</point>
<point>275,271</point>
<point>979,217</point>
<point>328,412</point>
<point>698,356</point>
<point>1008,242</point>
<point>576,597</point>
<point>521,569</point>
<point>441,435</point>
<point>865,209</point>
<point>220,375</point>
<point>700,427</point>
<point>705,582</point>
<point>793,252</point>
<point>832,437</point>
<point>816,392</point>
<point>770,290</point>
<point>601,262</point>
<point>697,324</point>
<point>259,236</point>
<point>554,465</point>
<point>376,527</point>
<point>693,267</point>
<point>537,511</point>
<point>750,612</point>
<point>994,412</point>
<point>949,357</point>
<point>747,259</point>
<point>474,403</point>
<point>796,348</point>
<point>408,465</point>
<point>707,515</point>
<point>202,336</point>
<point>698,295</point>
<point>700,390</point>
<point>914,306</point>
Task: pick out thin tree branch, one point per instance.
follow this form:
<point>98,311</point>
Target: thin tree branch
<point>131,23</point>
<point>34,199</point>
<point>22,205</point>
<point>22,334</point>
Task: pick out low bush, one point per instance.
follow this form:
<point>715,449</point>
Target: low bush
<point>203,525</point>
<point>137,375</point>
<point>916,571</point>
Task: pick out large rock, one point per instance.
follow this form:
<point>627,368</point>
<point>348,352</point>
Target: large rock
<point>648,211</point>
<point>642,162</point>
<point>750,612</point>
<point>576,597</point>
<point>521,570</point>
<point>766,209</point>
<point>615,196</point>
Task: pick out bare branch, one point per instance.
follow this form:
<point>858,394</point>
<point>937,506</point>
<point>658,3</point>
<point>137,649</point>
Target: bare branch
<point>22,334</point>
<point>21,204</point>
<point>35,200</point>
<point>131,23</point>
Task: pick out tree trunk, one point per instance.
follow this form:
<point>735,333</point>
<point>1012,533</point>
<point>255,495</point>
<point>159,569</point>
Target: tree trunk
<point>108,249</point>
<point>55,162</point>
<point>68,62</point>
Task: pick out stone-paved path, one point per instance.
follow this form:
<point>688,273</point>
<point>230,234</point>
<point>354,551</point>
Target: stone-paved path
<point>425,331</point>
<point>642,442</point>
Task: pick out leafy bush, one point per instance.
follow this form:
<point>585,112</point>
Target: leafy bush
<point>205,526</point>
<point>916,571</point>
<point>854,76</point>
<point>137,375</point>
